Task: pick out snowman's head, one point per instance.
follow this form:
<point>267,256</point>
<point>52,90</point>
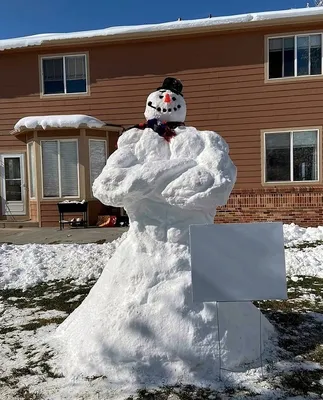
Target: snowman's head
<point>167,104</point>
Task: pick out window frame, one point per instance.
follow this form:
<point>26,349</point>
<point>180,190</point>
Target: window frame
<point>55,95</point>
<point>318,181</point>
<point>29,163</point>
<point>89,150</point>
<point>59,169</point>
<point>295,77</point>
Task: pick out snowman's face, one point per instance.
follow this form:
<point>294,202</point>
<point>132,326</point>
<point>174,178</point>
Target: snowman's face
<point>165,106</point>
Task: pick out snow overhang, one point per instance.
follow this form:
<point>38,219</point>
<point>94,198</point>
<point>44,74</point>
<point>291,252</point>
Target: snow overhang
<point>123,33</point>
<point>49,122</point>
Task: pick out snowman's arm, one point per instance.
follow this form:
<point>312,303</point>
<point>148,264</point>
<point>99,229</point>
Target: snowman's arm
<point>210,182</point>
<point>109,186</point>
<point>125,179</point>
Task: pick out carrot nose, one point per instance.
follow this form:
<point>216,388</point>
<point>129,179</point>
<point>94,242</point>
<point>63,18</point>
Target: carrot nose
<point>167,98</point>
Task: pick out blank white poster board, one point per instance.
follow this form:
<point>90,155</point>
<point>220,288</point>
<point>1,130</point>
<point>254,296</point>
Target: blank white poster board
<point>238,262</point>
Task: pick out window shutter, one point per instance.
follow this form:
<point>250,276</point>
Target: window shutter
<point>68,167</point>
<point>50,168</point>
<point>32,172</point>
<point>98,158</point>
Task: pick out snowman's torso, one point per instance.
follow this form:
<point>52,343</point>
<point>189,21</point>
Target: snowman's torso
<point>161,163</point>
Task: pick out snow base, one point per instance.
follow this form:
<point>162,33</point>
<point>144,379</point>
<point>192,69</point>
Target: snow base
<point>138,324</point>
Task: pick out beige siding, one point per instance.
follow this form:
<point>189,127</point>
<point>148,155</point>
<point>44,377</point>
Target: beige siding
<point>224,87</point>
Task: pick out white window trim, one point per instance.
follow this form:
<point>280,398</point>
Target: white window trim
<point>49,57</point>
<point>292,182</point>
<point>106,152</point>
<point>295,35</point>
<point>59,169</point>
<point>32,144</point>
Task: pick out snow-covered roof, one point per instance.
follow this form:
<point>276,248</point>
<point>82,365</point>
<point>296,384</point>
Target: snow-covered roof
<point>58,121</point>
<point>120,32</point>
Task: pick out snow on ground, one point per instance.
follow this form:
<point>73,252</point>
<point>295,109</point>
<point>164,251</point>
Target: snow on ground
<point>24,266</point>
<point>27,265</point>
<point>294,234</point>
<point>44,272</point>
<point>308,262</point>
<point>58,121</point>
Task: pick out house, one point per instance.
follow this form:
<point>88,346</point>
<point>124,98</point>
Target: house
<point>257,79</point>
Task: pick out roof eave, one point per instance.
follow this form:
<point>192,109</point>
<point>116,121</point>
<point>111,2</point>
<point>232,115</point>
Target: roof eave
<point>175,32</point>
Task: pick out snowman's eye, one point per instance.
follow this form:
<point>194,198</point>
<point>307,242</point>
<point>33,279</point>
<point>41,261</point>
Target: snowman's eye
<point>173,98</point>
<point>160,97</point>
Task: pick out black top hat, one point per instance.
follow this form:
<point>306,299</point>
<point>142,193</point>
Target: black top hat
<point>173,84</point>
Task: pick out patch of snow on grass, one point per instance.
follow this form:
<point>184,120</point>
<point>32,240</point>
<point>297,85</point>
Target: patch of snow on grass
<point>27,265</point>
<point>24,266</point>
<point>294,234</point>
<point>308,262</point>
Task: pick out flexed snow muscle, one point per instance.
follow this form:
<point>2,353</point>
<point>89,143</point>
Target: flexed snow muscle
<point>166,162</point>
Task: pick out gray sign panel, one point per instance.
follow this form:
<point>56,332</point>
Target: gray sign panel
<point>238,262</point>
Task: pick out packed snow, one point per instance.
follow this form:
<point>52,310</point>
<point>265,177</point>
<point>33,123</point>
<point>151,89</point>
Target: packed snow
<point>120,31</point>
<point>58,121</point>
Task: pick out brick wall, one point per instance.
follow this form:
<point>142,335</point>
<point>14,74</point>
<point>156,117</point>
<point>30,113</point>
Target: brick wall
<point>302,205</point>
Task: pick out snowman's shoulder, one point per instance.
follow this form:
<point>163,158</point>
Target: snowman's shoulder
<point>186,133</point>
<point>130,137</point>
<point>215,140</point>
<point>192,134</point>
<point>187,143</point>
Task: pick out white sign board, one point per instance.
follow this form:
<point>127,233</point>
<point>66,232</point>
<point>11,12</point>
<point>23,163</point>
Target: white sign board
<point>238,262</point>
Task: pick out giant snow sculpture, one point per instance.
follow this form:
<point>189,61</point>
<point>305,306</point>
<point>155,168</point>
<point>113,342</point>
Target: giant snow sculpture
<point>138,323</point>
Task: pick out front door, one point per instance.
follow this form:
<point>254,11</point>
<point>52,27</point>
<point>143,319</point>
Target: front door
<point>13,184</point>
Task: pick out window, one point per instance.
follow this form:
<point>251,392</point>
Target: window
<point>60,168</point>
<point>31,170</point>
<point>64,74</point>
<point>291,156</point>
<point>291,56</point>
<point>98,158</point>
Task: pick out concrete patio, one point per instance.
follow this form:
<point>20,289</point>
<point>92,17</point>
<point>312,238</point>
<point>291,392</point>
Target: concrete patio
<point>55,236</point>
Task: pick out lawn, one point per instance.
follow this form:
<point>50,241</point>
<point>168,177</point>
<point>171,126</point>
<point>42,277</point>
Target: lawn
<point>27,316</point>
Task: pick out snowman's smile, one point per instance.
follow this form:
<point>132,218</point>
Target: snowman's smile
<point>164,109</point>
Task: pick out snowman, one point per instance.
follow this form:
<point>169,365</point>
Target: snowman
<point>138,325</point>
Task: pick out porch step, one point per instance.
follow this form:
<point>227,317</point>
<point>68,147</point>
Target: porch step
<point>18,224</point>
